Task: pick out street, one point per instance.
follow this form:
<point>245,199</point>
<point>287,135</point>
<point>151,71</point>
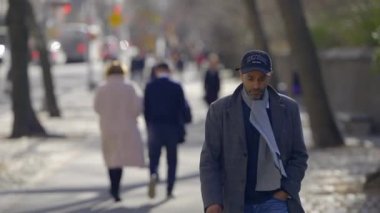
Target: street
<point>66,173</point>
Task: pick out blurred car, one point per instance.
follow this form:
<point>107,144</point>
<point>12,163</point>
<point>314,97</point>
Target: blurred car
<point>74,40</point>
<point>56,54</point>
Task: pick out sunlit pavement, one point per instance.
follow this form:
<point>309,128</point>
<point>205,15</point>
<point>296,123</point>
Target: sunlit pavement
<point>66,174</point>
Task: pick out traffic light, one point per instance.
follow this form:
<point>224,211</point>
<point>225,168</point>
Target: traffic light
<point>67,8</point>
<point>117,9</point>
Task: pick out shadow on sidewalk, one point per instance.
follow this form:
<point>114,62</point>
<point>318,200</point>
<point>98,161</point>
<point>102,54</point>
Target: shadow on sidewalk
<point>41,137</point>
<point>100,202</point>
<point>141,209</point>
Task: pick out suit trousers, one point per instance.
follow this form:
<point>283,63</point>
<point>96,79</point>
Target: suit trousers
<point>163,135</point>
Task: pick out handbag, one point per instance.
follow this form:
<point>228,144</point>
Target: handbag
<point>186,119</point>
<point>187,114</point>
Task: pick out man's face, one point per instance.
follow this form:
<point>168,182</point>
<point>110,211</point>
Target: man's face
<point>255,83</point>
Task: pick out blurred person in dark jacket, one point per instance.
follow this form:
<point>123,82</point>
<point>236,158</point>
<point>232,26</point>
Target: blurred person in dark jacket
<point>212,80</point>
<point>296,87</point>
<point>152,74</point>
<point>137,67</point>
<point>165,111</point>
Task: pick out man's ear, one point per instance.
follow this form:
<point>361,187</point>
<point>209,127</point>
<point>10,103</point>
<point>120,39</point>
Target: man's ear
<point>241,75</point>
<point>269,76</point>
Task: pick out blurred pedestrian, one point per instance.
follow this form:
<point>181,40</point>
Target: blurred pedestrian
<point>178,61</point>
<point>118,104</point>
<point>137,67</point>
<point>8,83</point>
<point>254,157</point>
<point>164,110</point>
<point>152,75</point>
<point>296,86</point>
<point>199,59</point>
<point>180,64</point>
<point>212,79</point>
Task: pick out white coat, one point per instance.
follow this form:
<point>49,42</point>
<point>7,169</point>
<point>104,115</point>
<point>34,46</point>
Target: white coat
<point>118,105</point>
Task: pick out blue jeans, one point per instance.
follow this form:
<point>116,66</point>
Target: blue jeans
<point>270,206</point>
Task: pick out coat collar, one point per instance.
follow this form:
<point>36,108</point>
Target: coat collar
<point>115,77</point>
<point>273,96</point>
<point>277,110</point>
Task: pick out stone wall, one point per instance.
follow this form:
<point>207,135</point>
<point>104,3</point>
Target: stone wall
<point>352,88</point>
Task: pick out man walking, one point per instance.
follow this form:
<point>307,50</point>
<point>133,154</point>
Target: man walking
<point>165,109</point>
<point>212,79</point>
<point>254,157</point>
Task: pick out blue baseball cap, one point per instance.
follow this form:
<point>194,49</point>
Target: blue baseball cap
<point>256,60</point>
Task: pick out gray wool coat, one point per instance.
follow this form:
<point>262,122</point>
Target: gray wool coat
<point>223,163</point>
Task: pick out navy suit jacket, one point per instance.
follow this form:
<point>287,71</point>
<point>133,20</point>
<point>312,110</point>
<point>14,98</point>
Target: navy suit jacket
<point>165,103</point>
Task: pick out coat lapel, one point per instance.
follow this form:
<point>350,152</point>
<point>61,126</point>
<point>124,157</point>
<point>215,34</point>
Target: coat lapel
<point>234,114</point>
<point>278,110</point>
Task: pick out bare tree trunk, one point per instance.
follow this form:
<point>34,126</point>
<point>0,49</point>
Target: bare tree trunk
<point>50,99</point>
<point>260,38</point>
<point>324,128</point>
<point>25,120</point>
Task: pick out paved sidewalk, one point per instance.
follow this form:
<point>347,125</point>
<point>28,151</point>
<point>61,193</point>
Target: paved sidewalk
<point>68,175</point>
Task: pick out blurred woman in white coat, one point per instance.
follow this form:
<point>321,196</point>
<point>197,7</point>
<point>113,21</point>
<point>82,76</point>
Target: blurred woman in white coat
<point>118,104</point>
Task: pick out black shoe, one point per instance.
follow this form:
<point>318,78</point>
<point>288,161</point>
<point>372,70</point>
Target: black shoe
<point>115,196</point>
<point>169,196</point>
<point>152,186</point>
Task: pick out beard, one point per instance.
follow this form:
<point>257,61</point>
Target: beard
<point>256,94</point>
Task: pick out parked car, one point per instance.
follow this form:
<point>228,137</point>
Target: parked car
<point>74,41</point>
<point>54,47</point>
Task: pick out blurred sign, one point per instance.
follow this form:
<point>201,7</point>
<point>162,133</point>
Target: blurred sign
<point>115,20</point>
<point>149,41</point>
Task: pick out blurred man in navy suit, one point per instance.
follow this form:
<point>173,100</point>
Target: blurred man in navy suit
<point>166,111</point>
